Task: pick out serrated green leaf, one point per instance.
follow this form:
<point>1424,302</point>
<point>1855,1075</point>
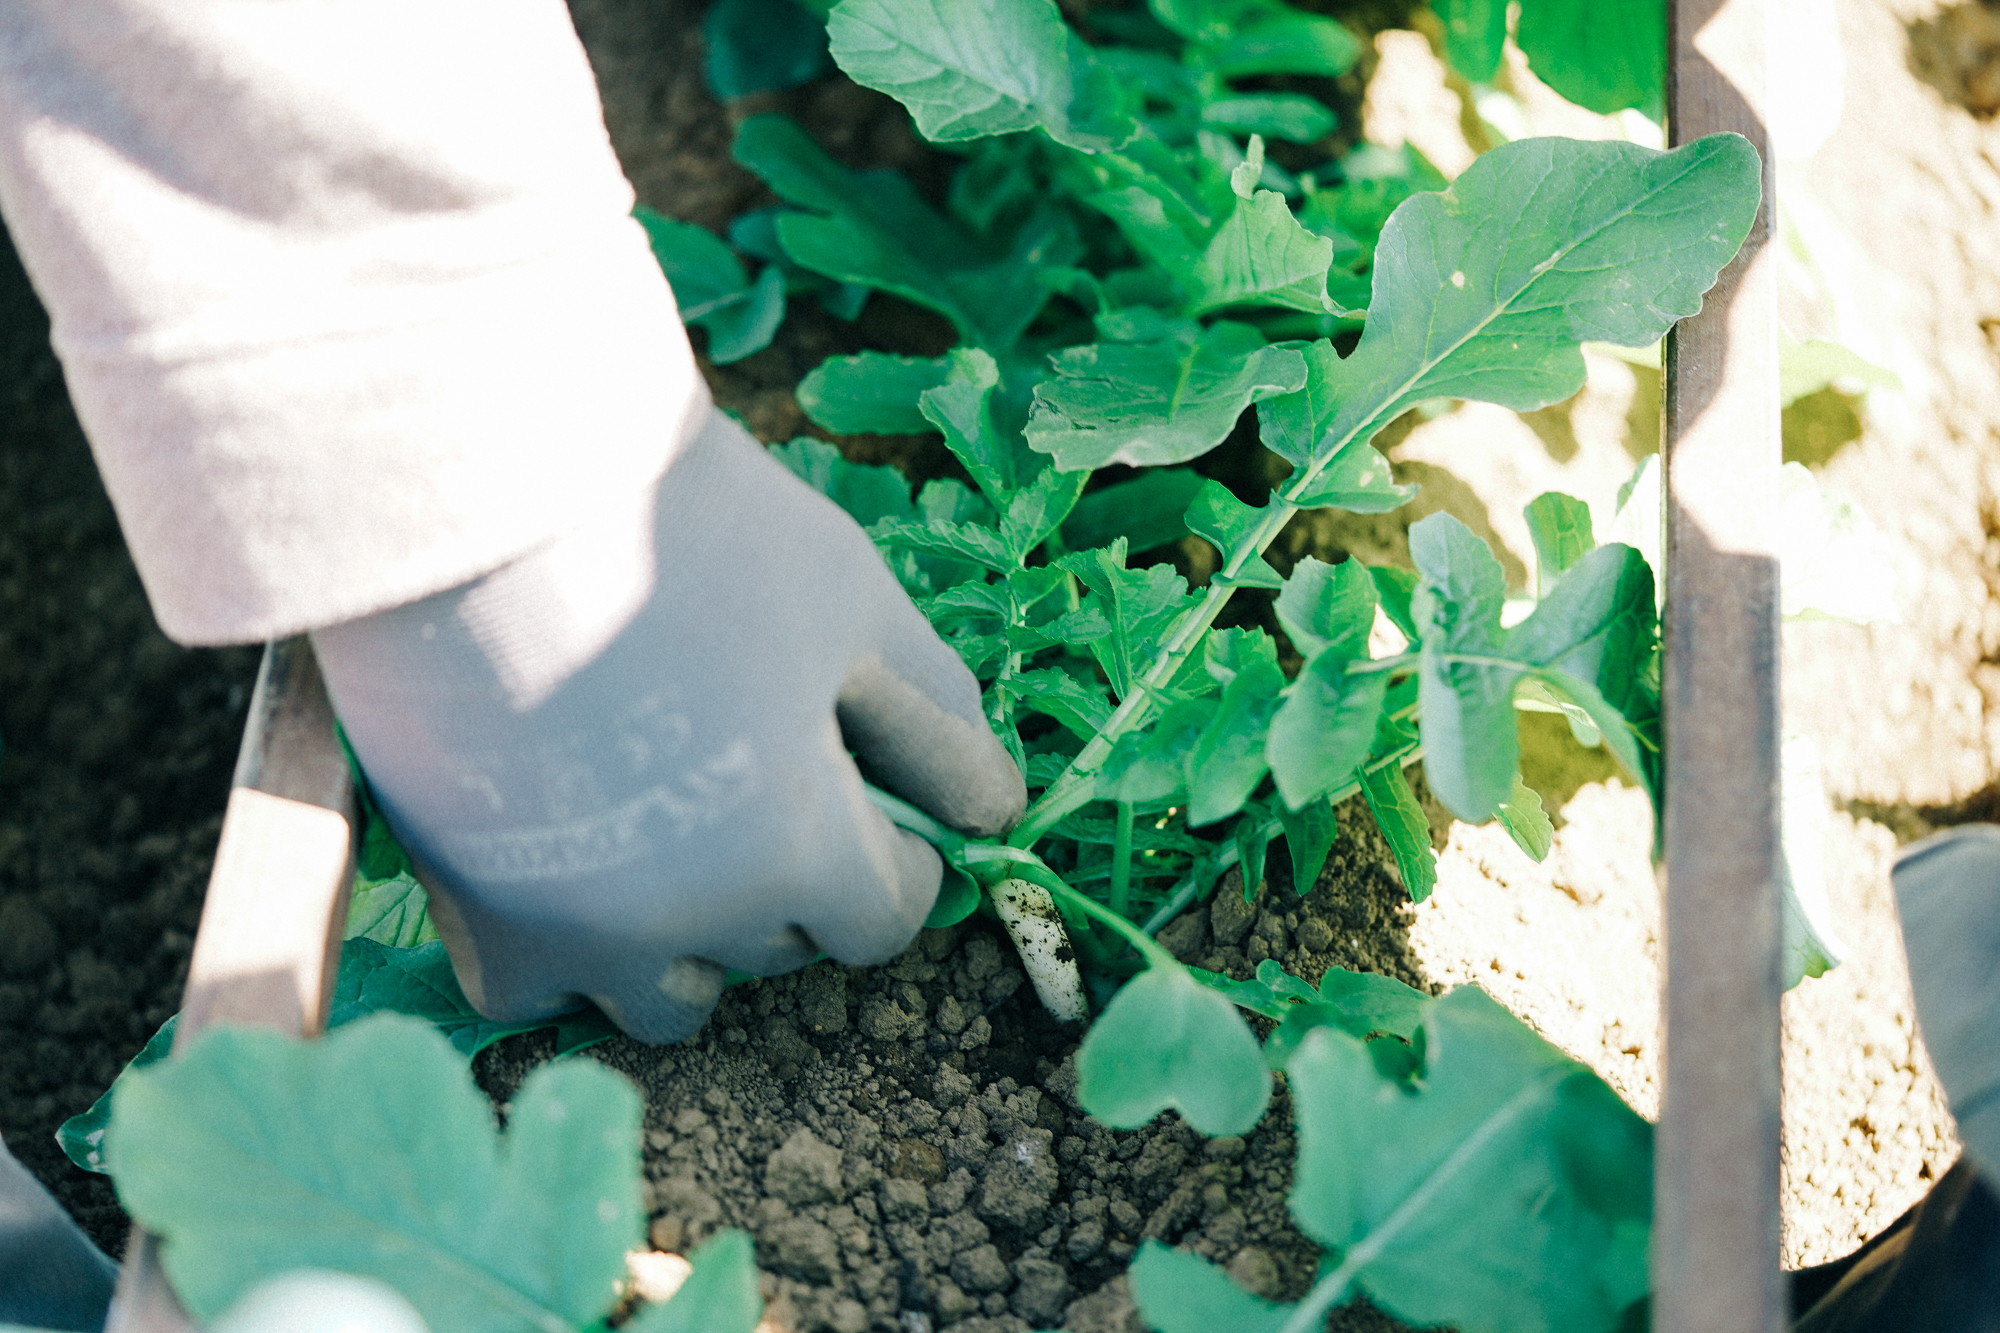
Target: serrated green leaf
<point>1559,525</point>
<point>997,460</point>
<point>1402,822</point>
<point>1227,652</point>
<point>1167,1043</point>
<point>952,541</point>
<point>874,228</point>
<point>1038,509</point>
<point>1604,58</point>
<point>1262,256</point>
<point>387,1166</point>
<point>1272,993</point>
<point>1178,1292</point>
<point>757,46</point>
<point>872,393</point>
<point>1231,527</point>
<point>1521,815</point>
<point>1140,605</point>
<point>374,978</point>
<point>977,68</point>
<point>1471,745</point>
<point>1078,706</point>
<point>1151,766</point>
<point>1328,608</point>
<point>1511,1190</point>
<point>394,911</point>
<point>1323,729</point>
<point>719,1296</point>
<point>1164,401</point>
<point>1488,290</point>
<point>1358,480</point>
<point>867,493</point>
<point>1228,761</point>
<point>1147,511</point>
<point>1361,1004</point>
<point>1310,833</point>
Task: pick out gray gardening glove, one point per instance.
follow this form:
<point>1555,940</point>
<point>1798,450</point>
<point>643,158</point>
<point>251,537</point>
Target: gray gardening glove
<point>51,1276</point>
<point>621,763</point>
<point>1948,895</point>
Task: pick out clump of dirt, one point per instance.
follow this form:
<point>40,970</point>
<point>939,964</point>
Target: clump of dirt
<point>118,749</point>
<point>905,1144</point>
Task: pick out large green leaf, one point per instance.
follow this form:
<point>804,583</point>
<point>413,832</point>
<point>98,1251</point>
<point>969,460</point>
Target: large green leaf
<point>873,228</point>
<point>1488,290</point>
<point>420,982</point>
<point>872,393</point>
<point>1228,761</point>
<point>974,68</point>
<point>1511,1191</point>
<point>1324,728</point>
<point>1601,57</point>
<point>1166,400</point>
<point>1328,608</point>
<point>1466,690</point>
<point>372,1152</point>
<point>1167,1042</point>
<point>1262,256</point>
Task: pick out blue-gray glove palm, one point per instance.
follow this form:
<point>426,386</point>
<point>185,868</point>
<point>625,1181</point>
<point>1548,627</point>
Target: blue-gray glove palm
<point>622,763</point>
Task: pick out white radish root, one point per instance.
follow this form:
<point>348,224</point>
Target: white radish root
<point>1031,918</point>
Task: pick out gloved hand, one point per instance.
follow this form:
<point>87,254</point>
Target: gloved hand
<point>621,762</point>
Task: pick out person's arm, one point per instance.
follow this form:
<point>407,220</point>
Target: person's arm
<point>347,294</point>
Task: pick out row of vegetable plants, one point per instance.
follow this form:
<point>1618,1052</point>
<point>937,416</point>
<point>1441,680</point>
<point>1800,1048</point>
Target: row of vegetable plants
<point>1129,273</point>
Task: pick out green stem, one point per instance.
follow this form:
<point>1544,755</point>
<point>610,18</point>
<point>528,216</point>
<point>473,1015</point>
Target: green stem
<point>1074,786</point>
<point>1309,1315</point>
<point>1121,861</point>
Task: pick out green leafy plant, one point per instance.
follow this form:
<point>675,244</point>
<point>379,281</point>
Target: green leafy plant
<point>372,1152</point>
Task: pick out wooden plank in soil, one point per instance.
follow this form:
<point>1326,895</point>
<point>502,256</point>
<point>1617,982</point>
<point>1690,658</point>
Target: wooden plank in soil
<point>269,942</point>
<point>1715,1233</point>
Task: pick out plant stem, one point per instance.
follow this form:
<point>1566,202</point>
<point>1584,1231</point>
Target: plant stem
<point>1074,786</point>
<point>1309,1315</point>
<point>1121,860</point>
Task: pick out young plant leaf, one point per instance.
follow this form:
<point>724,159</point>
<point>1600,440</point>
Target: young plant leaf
<point>1228,761</point>
<point>981,67</point>
<point>1140,604</point>
<point>1231,526</point>
<point>1402,822</point>
<point>419,982</point>
<point>1394,588</point>
<point>1358,480</point>
<point>1166,1042</point>
<point>1521,815</point>
<point>961,407</point>
<point>388,1167</point>
<point>1252,836</point>
<point>951,541</point>
<point>1272,993</point>
<point>1361,1004</point>
<point>1324,728</point>
<point>1471,745</point>
<point>1147,511</point>
<point>1152,766</point>
<point>393,910</point>
<point>1489,290</point>
<point>1475,33</point>
<point>1310,833</point>
<point>1328,608</point>
<point>873,228</point>
<point>711,288</point>
<point>1079,707</point>
<point>872,393</point>
<point>81,1137</point>
<point>1511,1190</point>
<point>868,493</point>
<point>719,1296</point>
<point>1179,1292</point>
<point>1163,401</point>
<point>1242,38</point>
<point>1560,528</point>
<point>1038,509</point>
<point>1262,256</point>
<point>1292,117</point>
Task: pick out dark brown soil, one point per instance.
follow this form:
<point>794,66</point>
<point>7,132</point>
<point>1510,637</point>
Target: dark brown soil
<point>905,1144</point>
<point>118,752</point>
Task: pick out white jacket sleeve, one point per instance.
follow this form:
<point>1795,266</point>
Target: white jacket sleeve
<point>346,291</point>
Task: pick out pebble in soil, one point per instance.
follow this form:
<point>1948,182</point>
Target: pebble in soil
<point>905,1144</point>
